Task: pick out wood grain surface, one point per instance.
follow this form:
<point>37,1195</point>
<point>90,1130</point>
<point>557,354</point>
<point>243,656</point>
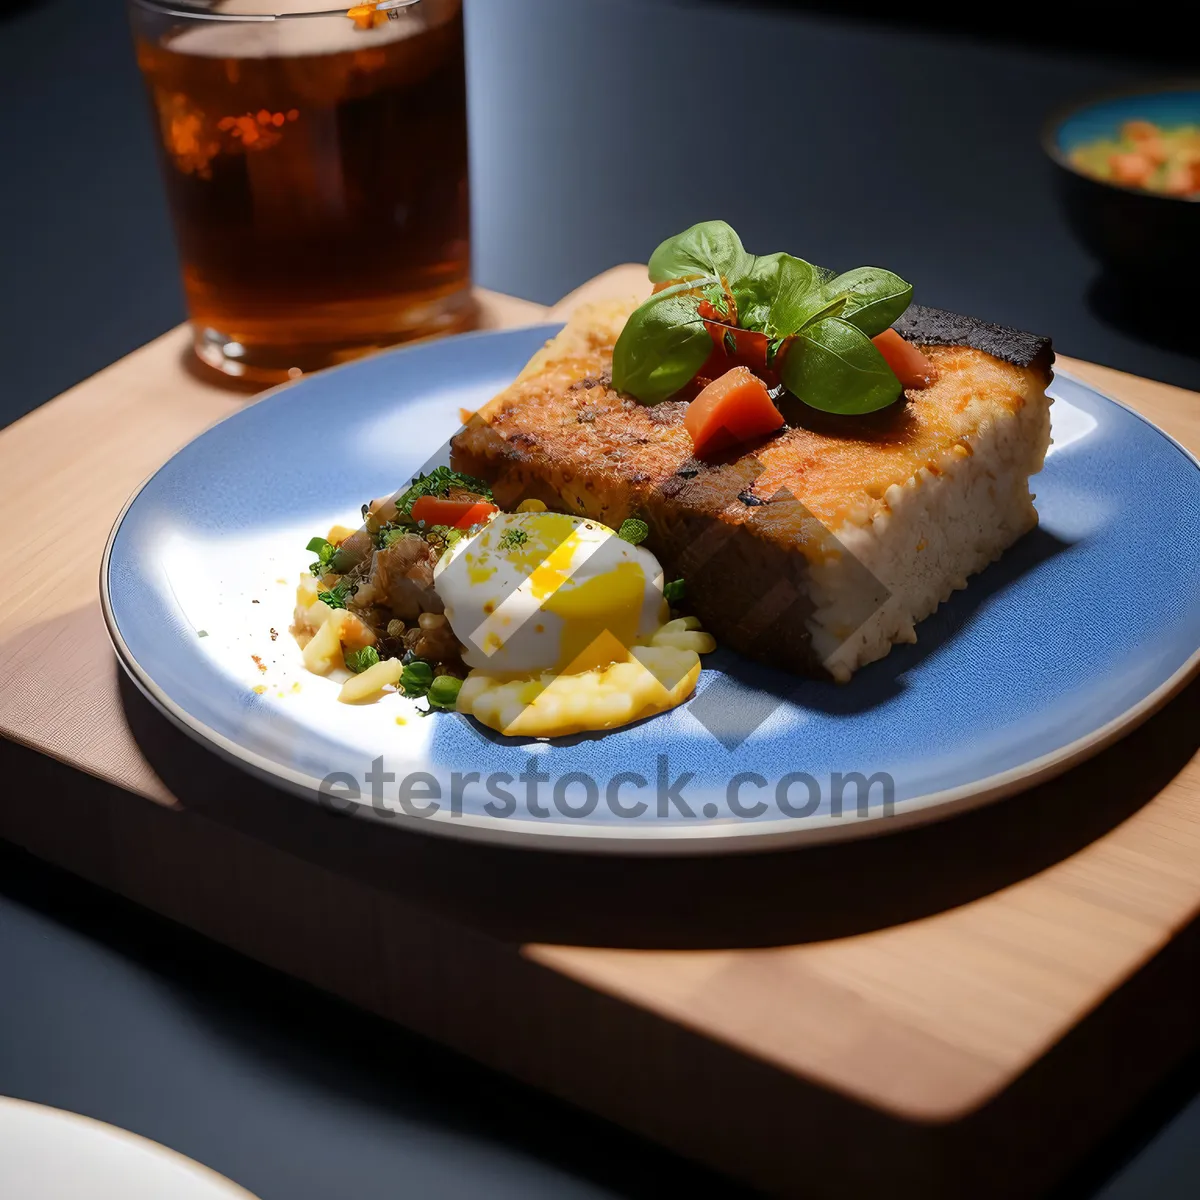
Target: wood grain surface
<point>959,1009</point>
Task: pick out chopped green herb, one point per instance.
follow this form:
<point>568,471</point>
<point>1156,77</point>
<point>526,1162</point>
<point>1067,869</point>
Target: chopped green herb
<point>359,660</point>
<point>633,531</point>
<point>336,596</point>
<point>512,538</point>
<point>202,633</point>
<point>443,692</point>
<point>674,591</point>
<point>324,550</point>
<point>447,534</point>
<point>417,677</point>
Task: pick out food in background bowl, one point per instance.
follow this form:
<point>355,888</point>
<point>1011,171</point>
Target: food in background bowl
<point>1121,168</point>
<point>1147,156</point>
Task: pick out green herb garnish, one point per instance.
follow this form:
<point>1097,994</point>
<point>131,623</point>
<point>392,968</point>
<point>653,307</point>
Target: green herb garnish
<point>818,325</point>
<point>438,482</point>
<point>416,678</point>
<point>324,550</point>
<point>664,343</point>
<point>336,596</point>
<point>446,534</point>
<point>443,692</point>
<point>633,531</point>
<point>710,249</point>
<point>832,365</point>
<point>359,660</point>
<point>510,539</point>
<point>674,591</point>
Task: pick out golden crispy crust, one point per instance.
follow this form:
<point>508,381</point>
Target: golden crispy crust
<point>561,427</point>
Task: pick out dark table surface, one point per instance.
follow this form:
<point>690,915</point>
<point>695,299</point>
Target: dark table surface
<point>593,137</point>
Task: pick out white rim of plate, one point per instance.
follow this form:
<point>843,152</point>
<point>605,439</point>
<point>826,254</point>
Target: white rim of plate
<point>65,1116</point>
<point>713,838</point>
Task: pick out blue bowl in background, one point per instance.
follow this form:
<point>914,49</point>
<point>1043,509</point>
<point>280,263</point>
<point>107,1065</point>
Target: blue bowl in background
<point>1139,235</point>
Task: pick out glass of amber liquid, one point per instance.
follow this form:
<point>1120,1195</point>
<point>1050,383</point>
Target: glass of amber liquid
<point>316,170</point>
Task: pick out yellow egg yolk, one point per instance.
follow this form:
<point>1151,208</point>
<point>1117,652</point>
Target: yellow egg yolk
<point>561,623</point>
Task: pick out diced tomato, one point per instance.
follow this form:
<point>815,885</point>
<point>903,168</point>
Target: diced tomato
<point>1154,150</point>
<point>1182,179</point>
<point>749,350</point>
<point>912,368</point>
<point>1131,169</point>
<point>731,409</point>
<point>458,514</point>
<point>1140,131</point>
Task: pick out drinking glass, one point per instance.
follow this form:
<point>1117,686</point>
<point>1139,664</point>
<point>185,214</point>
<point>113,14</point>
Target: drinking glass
<point>316,171</point>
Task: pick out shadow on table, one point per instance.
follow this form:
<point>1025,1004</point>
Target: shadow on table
<point>1151,311</point>
<point>311,1065</point>
<point>766,899</point>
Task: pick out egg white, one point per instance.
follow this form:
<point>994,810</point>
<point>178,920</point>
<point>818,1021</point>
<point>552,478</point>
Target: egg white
<point>541,592</point>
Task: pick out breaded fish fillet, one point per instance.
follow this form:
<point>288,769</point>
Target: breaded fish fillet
<point>817,548</point>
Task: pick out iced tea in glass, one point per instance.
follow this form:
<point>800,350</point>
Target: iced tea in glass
<point>316,168</point>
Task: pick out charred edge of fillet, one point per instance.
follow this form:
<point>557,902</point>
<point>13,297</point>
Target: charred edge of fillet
<point>936,327</point>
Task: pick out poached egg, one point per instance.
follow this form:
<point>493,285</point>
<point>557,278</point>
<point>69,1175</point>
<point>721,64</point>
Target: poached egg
<point>564,626</point>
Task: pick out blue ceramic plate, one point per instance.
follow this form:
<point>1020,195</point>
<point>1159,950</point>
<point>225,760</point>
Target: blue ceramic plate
<point>1079,632</point>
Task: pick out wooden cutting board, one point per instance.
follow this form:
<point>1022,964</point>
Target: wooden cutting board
<point>957,1010</point>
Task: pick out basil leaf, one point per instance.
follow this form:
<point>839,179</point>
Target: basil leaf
<point>663,345</point>
<point>780,294</point>
<point>755,290</point>
<point>870,298</point>
<point>798,296</point>
<point>832,365</point>
<point>710,248</point>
